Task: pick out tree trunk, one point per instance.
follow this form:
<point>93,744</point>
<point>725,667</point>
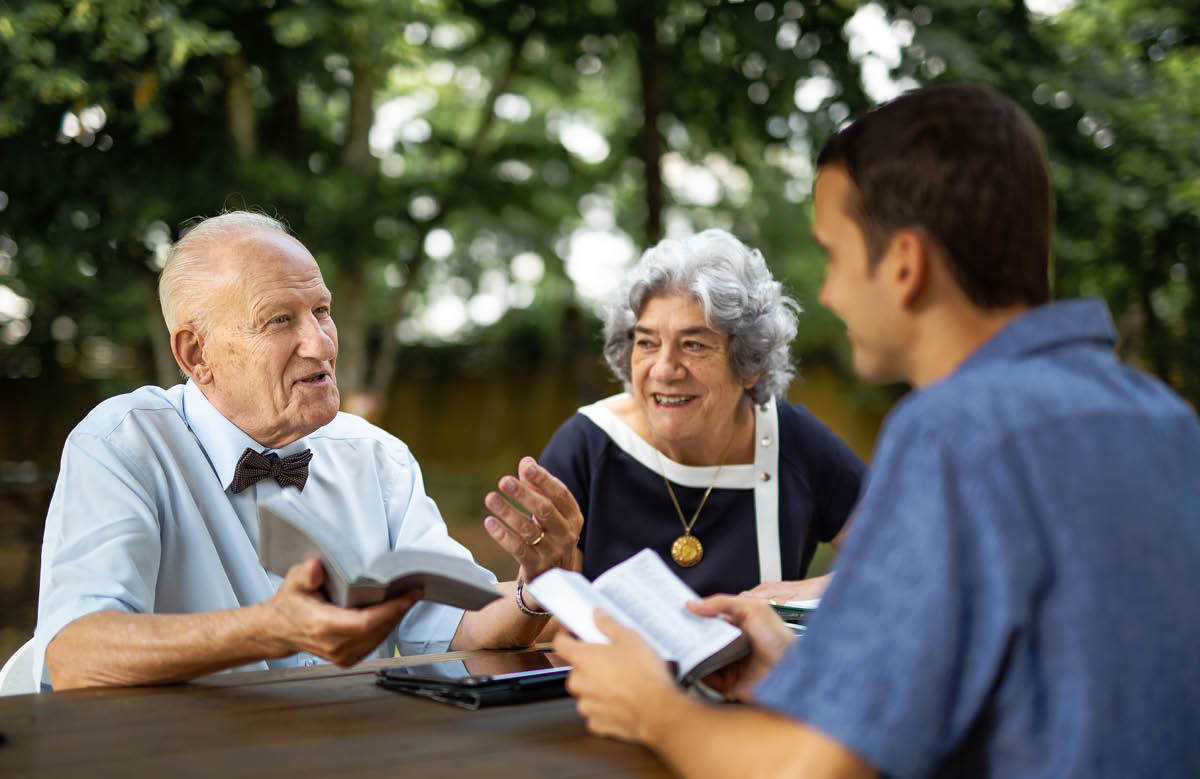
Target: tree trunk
<point>240,109</point>
<point>384,367</point>
<point>650,70</point>
<point>166,370</point>
<point>351,309</point>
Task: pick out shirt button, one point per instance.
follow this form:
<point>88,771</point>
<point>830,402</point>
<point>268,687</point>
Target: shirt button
<point>766,477</point>
<point>310,662</point>
<point>766,441</point>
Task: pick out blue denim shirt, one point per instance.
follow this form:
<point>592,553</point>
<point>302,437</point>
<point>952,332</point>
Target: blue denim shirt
<point>1018,595</point>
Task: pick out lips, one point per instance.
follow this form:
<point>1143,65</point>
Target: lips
<point>671,401</point>
<point>314,378</point>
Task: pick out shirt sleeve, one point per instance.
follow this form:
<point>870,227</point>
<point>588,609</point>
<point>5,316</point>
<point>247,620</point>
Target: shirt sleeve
<point>414,520</point>
<point>102,543</point>
<point>898,662</point>
<point>566,456</point>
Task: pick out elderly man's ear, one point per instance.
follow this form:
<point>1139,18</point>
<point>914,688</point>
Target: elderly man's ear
<point>188,348</point>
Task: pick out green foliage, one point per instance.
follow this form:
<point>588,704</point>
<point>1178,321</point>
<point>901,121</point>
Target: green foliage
<point>380,128</point>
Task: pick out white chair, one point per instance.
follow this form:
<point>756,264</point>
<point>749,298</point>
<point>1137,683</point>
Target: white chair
<point>16,678</point>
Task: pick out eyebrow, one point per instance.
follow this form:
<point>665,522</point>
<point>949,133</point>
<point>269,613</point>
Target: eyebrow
<point>685,331</point>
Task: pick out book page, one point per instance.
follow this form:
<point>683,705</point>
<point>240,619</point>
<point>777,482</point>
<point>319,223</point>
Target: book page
<point>656,599</point>
<point>573,599</point>
<point>289,535</point>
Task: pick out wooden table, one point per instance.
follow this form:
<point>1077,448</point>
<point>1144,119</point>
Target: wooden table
<point>319,721</point>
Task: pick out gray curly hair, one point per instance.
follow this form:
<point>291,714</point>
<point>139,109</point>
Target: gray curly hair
<point>737,293</point>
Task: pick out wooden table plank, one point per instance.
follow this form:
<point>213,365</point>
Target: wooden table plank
<point>304,722</point>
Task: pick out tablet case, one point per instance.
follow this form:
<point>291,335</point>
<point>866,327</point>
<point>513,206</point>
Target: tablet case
<point>474,692</point>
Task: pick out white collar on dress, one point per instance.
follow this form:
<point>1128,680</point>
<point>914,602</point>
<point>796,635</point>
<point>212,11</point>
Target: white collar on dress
<point>732,477</point>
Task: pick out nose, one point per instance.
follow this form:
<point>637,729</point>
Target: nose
<point>318,340</point>
<point>668,364</point>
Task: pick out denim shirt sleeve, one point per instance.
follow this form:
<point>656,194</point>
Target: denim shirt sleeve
<point>899,660</point>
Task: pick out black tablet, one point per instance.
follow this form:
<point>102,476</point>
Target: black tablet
<point>486,680</point>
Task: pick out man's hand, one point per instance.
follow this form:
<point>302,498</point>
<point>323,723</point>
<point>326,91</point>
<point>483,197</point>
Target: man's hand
<point>549,536</point>
<point>769,639</point>
<point>621,686</point>
<point>299,619</point>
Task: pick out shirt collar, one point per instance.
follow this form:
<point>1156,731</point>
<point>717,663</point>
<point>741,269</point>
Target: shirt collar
<point>1047,327</point>
<point>222,441</point>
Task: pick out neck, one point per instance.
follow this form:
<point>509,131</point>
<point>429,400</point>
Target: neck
<point>950,334</point>
<point>732,442</point>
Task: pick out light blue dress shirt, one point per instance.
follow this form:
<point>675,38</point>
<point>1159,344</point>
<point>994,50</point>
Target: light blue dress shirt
<point>142,519</point>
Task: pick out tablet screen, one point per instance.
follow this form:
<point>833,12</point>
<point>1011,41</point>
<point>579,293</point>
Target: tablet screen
<point>485,668</point>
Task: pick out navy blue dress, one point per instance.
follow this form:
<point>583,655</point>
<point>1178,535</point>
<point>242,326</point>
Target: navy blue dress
<point>615,477</point>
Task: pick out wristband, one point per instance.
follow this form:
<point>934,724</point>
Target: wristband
<point>521,602</point>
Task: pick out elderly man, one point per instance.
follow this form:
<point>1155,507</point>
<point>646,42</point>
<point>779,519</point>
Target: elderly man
<point>1018,594</point>
<point>149,565</point>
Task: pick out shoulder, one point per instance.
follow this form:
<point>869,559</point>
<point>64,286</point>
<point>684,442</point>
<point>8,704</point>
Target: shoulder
<point>352,434</point>
<point>153,405</point>
<point>803,436</point>
<point>585,430</point>
<point>986,407</point>
<point>797,421</point>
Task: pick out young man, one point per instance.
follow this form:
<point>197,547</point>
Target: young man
<point>1017,597</point>
<point>150,568</point>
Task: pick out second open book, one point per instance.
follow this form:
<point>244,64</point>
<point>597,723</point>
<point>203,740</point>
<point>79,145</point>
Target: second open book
<point>643,594</point>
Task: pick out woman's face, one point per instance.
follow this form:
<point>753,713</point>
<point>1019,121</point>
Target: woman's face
<point>682,381</point>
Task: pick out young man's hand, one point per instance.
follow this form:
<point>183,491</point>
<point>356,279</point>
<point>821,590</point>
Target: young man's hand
<point>620,686</point>
<point>769,639</point>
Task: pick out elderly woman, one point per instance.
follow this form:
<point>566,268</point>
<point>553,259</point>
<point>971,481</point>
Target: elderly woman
<point>701,459</point>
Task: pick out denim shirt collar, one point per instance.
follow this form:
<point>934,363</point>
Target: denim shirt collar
<point>222,441</point>
<point>1044,328</point>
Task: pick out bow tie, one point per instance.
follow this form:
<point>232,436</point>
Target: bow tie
<point>252,467</point>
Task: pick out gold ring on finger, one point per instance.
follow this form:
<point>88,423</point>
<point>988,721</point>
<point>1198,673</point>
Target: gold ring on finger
<point>538,540</point>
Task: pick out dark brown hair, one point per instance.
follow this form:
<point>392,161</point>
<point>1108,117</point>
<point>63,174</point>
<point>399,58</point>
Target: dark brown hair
<point>965,166</point>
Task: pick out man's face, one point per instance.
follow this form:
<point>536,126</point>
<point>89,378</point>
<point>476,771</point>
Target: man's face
<point>272,343</point>
<point>852,290</point>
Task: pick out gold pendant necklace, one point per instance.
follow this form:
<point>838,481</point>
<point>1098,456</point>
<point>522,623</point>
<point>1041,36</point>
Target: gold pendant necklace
<point>687,549</point>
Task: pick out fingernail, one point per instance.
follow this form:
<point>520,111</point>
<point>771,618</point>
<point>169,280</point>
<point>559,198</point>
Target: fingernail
<point>492,524</point>
<point>508,483</point>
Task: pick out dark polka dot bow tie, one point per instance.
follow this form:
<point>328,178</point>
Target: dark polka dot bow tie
<point>252,467</point>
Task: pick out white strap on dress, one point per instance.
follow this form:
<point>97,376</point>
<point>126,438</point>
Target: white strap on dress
<point>766,490</point>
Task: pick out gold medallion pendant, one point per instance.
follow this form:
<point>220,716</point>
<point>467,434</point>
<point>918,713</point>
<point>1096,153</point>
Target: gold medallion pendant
<point>687,550</point>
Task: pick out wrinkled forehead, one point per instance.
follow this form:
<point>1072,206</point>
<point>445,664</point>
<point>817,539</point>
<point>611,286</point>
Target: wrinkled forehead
<point>680,313</point>
<point>256,263</point>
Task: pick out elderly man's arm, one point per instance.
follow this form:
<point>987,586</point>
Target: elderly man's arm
<point>120,648</point>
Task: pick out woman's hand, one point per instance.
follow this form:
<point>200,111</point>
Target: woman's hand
<point>546,538</point>
<point>782,592</point>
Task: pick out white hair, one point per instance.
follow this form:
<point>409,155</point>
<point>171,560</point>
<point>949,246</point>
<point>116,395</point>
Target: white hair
<point>188,272</point>
<point>735,289</point>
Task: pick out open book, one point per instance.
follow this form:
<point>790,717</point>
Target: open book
<point>643,594</point>
<point>350,581</point>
